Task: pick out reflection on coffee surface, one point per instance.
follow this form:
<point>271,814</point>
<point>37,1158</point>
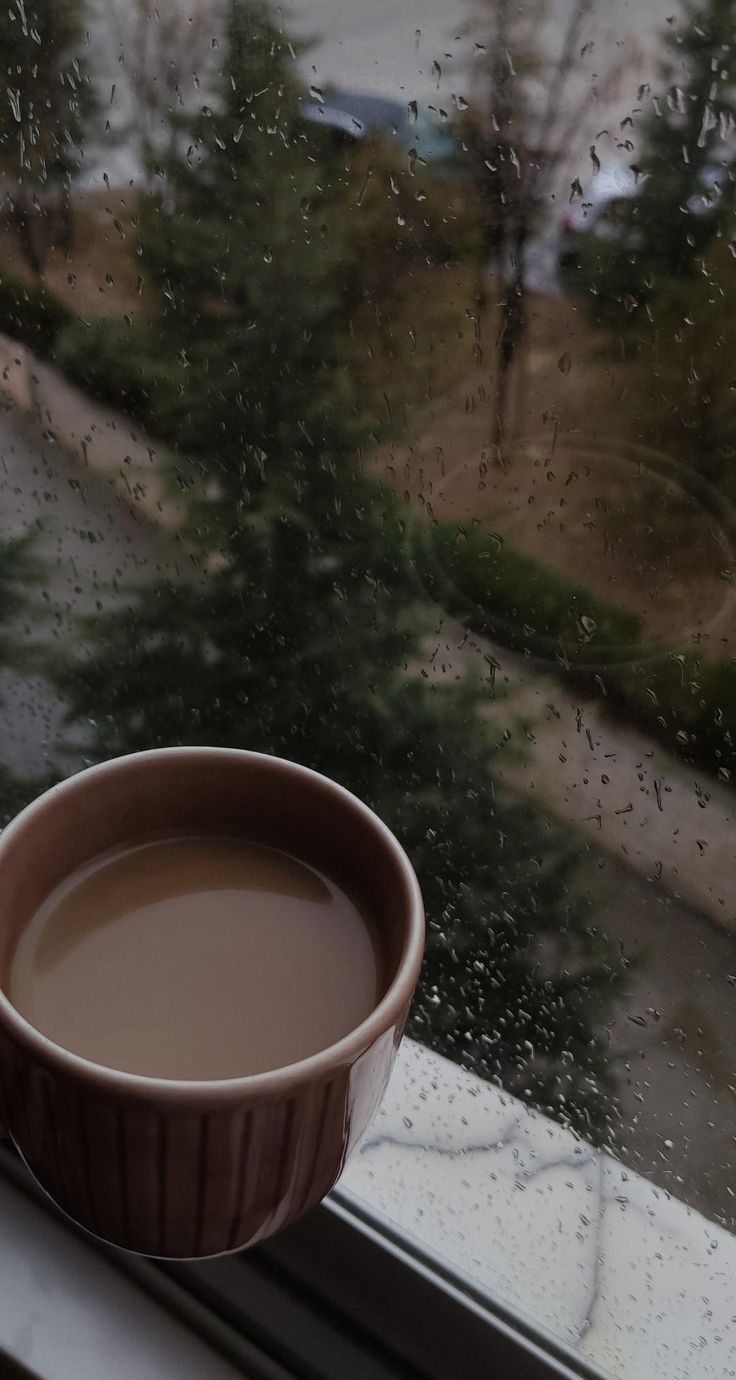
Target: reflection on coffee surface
<point>196,958</point>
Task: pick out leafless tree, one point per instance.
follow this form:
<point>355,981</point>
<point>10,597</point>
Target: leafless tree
<point>168,50</point>
<point>527,113</point>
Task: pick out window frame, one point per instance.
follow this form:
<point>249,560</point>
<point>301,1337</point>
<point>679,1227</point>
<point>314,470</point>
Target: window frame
<point>358,1278</point>
<point>342,1293</point>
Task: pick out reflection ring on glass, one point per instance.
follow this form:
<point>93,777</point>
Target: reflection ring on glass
<point>589,503</point>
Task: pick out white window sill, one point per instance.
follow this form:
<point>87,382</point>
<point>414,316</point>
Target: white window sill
<point>66,1313</point>
<point>628,1277</point>
<point>618,1273</point>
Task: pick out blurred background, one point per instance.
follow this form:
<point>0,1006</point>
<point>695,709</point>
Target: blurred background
<point>369,398</point>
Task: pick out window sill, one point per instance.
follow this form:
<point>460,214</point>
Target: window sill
<point>466,1226</point>
<point>68,1313</point>
<point>618,1270</point>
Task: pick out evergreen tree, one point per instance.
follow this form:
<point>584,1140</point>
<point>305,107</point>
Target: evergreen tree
<point>19,572</point>
<point>251,276</point>
<point>680,393</point>
<point>687,158</point>
<point>688,151</point>
<point>300,627</point>
<point>668,282</point>
<point>300,645</point>
<point>47,100</point>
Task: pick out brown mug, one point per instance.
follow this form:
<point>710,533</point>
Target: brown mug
<point>188,1169</point>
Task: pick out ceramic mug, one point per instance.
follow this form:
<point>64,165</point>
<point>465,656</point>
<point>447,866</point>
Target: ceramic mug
<point>184,1169</point>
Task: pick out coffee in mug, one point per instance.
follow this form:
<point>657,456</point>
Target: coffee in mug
<point>207,958</point>
<point>196,958</point>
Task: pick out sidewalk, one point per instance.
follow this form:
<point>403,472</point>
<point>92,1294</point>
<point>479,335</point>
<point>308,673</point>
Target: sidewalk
<point>667,822</point>
<point>105,441</point>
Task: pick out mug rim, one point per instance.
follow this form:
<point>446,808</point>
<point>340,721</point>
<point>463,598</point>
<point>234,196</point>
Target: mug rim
<point>276,1081</point>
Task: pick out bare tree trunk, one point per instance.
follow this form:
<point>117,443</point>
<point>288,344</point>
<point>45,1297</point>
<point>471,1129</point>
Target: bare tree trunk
<point>498,418</point>
<point>502,109</point>
<point>169,54</point>
<point>508,340</point>
<point>542,152</point>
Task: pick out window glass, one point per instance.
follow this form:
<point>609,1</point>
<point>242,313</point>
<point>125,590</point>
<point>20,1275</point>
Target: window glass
<point>369,399</point>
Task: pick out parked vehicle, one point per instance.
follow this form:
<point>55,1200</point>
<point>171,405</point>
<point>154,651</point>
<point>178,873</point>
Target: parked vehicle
<point>356,115</point>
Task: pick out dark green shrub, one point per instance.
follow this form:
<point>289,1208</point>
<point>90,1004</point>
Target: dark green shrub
<point>101,357</point>
<point>520,602</point>
<point>30,314</point>
<point>685,702</point>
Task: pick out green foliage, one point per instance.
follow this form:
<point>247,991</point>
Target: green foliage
<point>299,645</point>
<point>48,97</point>
<point>300,626</point>
<point>247,353</point>
<point>16,792</point>
<point>680,392</point>
<point>519,601</point>
<point>267,249</point>
<point>30,314</point>
<point>688,161</point>
<point>608,272</point>
<point>686,701</point>
<point>102,357</point>
<point>688,196</point>
<point>19,572</point>
<point>665,282</point>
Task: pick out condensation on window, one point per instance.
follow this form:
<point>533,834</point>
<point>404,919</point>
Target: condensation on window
<point>369,399</point>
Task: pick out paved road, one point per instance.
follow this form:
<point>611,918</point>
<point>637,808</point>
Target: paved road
<point>92,542</point>
<point>666,821</point>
